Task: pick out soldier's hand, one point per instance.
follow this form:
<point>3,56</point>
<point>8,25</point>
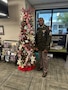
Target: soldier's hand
<point>45,51</point>
<point>36,49</point>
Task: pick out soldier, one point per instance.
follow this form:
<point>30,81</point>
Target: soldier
<point>42,41</point>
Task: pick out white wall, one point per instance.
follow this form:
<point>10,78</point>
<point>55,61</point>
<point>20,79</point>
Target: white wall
<point>12,24</point>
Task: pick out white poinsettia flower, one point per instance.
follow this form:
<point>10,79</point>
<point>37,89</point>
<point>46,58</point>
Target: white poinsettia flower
<point>27,36</point>
<point>25,27</point>
<point>32,39</point>
<point>26,41</point>
<point>32,59</point>
<point>23,42</point>
<point>19,61</point>
<point>24,51</point>
<point>20,47</point>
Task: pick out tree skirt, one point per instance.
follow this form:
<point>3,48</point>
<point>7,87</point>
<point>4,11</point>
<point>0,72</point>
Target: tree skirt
<point>26,68</point>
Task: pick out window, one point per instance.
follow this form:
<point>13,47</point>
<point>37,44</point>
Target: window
<point>56,18</point>
<point>55,27</point>
<point>61,26</point>
<point>46,15</point>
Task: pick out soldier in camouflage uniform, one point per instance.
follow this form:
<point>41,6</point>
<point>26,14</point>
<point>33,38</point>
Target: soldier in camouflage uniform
<point>42,45</point>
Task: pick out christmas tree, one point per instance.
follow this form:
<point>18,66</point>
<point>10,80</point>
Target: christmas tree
<point>26,55</point>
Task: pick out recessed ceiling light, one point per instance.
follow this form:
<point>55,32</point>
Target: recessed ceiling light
<point>5,1</point>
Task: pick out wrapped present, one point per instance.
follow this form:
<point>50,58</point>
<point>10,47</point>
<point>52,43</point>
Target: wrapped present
<point>37,55</point>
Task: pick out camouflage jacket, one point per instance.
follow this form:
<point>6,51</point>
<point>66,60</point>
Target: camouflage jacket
<point>42,41</point>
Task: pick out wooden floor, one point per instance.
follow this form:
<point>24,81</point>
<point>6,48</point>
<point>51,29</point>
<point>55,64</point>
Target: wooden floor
<point>13,79</point>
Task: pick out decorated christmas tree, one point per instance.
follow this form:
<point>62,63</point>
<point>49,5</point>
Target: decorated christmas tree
<point>26,55</point>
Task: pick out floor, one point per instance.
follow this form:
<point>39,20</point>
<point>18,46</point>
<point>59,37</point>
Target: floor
<point>13,79</point>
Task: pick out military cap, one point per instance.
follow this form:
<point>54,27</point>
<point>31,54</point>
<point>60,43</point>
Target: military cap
<point>40,19</point>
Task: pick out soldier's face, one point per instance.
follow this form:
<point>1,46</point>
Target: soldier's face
<point>40,22</point>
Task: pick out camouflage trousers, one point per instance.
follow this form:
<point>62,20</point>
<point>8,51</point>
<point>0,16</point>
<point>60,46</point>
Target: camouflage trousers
<point>43,61</point>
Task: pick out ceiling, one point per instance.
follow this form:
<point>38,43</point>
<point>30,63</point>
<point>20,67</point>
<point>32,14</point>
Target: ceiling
<point>37,2</point>
<point>43,4</point>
